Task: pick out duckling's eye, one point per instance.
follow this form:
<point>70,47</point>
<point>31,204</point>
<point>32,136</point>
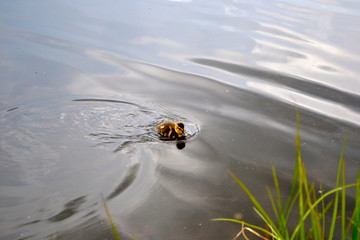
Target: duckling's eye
<point>181,125</point>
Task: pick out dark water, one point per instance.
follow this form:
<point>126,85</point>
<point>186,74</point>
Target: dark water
<point>83,84</point>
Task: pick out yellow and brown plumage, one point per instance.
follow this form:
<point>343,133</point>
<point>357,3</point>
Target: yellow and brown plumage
<point>171,130</point>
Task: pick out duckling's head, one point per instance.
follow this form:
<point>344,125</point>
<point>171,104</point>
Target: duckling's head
<point>179,129</point>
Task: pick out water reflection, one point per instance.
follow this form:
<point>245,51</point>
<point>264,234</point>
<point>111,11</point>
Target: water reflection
<point>128,180</point>
<point>70,209</point>
<point>179,143</point>
<point>312,96</point>
<point>83,85</point>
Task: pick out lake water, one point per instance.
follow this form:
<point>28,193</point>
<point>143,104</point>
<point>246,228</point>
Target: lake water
<point>84,83</point>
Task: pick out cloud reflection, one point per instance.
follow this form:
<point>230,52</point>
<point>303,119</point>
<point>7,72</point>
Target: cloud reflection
<point>164,42</point>
<point>318,105</point>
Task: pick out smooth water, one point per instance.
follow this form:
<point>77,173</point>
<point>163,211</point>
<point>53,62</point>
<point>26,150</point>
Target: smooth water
<point>84,83</point>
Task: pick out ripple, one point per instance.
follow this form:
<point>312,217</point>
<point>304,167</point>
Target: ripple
<point>105,122</point>
<point>67,151</point>
<point>70,208</point>
<point>312,96</point>
<point>122,122</point>
<point>126,182</point>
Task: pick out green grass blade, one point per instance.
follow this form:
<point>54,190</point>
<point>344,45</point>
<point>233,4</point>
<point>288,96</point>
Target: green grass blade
<point>278,207</point>
<point>311,196</point>
<point>293,191</point>
<point>277,188</point>
<point>301,205</point>
<point>325,209</point>
<point>343,192</point>
<point>294,182</point>
<point>315,230</point>
<point>273,204</point>
<point>113,227</point>
<point>333,219</point>
<point>333,191</point>
<point>343,203</point>
<point>323,212</point>
<point>300,179</point>
<point>255,202</point>
<point>356,220</point>
<point>246,224</point>
<point>267,223</point>
<point>290,207</point>
<point>336,203</point>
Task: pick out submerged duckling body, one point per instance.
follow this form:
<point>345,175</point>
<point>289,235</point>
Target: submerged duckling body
<point>171,130</point>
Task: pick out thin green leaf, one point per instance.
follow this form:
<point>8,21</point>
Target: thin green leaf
<point>356,227</point>
<point>294,182</point>
<point>113,227</point>
<point>315,230</point>
<point>277,188</point>
<point>278,207</point>
<point>267,223</point>
<point>296,230</point>
<point>343,192</point>
<point>246,224</point>
<point>300,175</point>
<point>273,204</point>
<point>322,214</point>
<point>290,208</point>
<point>301,203</point>
<point>336,203</point>
<point>255,202</point>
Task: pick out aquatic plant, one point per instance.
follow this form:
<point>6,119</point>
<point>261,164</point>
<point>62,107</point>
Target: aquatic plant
<point>112,224</point>
<point>308,202</point>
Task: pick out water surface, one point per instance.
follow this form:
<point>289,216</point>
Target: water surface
<point>83,85</point>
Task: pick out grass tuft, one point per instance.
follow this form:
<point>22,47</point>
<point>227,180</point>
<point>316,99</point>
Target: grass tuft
<point>310,205</point>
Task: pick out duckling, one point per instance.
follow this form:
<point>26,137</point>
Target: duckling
<point>172,130</point>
